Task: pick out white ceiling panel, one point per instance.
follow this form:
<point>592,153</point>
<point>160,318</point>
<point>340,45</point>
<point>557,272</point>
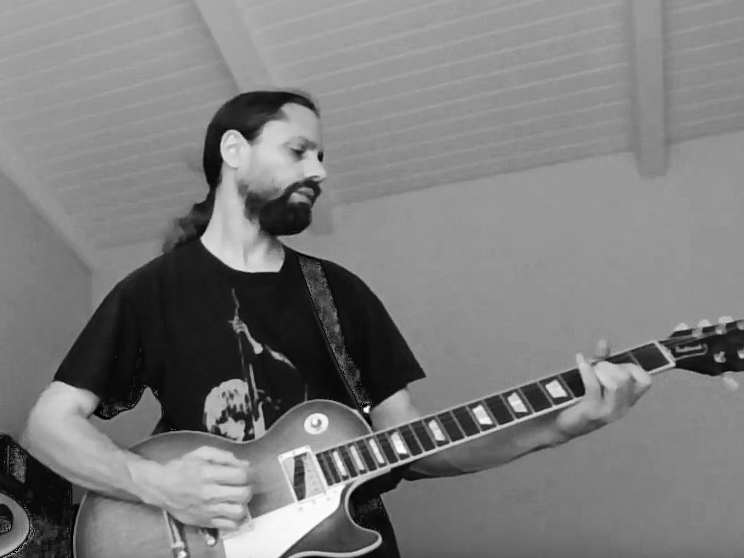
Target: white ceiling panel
<point>103,103</point>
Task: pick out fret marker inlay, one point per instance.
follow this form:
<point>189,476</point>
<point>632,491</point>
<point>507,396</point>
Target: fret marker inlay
<point>517,404</point>
<point>555,389</point>
<point>376,451</point>
<point>357,459</point>
<point>340,464</point>
<point>398,444</point>
<point>481,414</point>
<point>438,434</point>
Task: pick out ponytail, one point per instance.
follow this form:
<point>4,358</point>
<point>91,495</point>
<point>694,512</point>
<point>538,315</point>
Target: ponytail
<point>192,225</point>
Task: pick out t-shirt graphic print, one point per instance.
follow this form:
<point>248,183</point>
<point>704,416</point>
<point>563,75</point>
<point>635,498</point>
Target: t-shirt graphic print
<point>243,409</point>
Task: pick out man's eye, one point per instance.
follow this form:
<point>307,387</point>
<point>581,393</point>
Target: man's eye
<point>298,153</point>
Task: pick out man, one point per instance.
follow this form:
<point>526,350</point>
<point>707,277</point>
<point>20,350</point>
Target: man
<point>221,329</point>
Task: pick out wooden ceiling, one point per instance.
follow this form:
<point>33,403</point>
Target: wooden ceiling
<point>103,103</point>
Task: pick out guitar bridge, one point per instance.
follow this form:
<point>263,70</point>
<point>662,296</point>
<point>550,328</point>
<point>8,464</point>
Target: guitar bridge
<point>302,473</point>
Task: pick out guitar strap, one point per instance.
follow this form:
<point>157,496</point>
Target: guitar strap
<point>370,511</point>
<point>327,316</point>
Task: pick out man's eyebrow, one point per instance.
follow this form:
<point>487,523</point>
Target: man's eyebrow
<point>307,142</point>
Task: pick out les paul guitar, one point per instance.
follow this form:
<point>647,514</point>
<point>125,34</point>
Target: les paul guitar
<point>311,459</point>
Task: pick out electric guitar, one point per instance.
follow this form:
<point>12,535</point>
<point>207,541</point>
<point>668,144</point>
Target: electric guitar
<point>315,455</point>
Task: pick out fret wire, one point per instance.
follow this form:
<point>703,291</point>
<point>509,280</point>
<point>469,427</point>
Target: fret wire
<point>557,400</point>
<point>454,433</point>
<point>500,409</point>
<point>324,468</point>
<point>331,467</point>
<point>357,458</point>
<point>374,443</point>
<point>651,357</point>
<point>367,456</point>
<point>386,447</point>
<point>346,458</point>
<point>396,436</point>
<point>536,398</point>
<point>572,379</point>
<point>336,458</point>
<point>465,421</point>
<point>422,433</point>
<point>410,439</point>
<point>441,429</point>
<point>487,412</point>
<point>529,410</point>
<point>635,360</point>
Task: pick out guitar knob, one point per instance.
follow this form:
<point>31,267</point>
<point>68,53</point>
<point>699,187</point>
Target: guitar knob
<point>720,357</point>
<point>740,353</point>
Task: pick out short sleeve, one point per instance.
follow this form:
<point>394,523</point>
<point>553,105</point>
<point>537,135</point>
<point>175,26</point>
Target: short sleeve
<point>374,341</point>
<point>107,358</point>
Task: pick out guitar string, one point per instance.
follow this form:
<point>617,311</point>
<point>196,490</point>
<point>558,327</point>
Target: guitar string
<point>446,418</point>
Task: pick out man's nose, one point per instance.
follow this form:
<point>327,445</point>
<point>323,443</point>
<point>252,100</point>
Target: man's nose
<point>314,170</point>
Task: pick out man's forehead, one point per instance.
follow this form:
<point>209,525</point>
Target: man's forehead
<point>297,121</point>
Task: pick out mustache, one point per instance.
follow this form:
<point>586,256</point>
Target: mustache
<point>311,185</point>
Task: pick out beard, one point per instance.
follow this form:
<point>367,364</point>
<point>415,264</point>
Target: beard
<point>280,216</point>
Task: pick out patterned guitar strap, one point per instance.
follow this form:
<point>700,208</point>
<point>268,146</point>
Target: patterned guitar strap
<point>370,514</point>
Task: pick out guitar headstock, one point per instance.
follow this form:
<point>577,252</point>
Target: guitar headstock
<point>710,349</point>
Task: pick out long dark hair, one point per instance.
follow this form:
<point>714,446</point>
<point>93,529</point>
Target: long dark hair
<point>246,113</point>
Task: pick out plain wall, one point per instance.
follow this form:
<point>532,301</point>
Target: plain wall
<point>44,302</point>
<point>500,281</point>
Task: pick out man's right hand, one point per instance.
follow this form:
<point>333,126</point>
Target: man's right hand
<point>207,487</point>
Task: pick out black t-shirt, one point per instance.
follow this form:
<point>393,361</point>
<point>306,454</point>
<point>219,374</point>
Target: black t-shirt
<point>227,351</point>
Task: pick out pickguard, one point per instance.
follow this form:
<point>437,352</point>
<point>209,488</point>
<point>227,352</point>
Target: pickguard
<point>272,534</point>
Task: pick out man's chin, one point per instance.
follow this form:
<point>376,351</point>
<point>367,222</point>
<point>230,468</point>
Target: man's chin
<point>287,227</point>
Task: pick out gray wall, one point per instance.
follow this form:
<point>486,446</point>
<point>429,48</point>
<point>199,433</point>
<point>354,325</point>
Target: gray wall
<point>501,281</point>
<point>44,301</point>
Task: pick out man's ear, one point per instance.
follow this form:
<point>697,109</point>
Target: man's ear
<point>234,148</point>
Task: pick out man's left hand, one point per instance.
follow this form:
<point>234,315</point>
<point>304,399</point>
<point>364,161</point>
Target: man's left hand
<point>611,389</point>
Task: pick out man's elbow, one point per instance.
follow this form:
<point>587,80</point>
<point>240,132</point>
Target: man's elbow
<point>48,418</point>
<point>32,431</point>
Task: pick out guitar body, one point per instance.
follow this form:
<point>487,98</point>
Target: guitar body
<point>286,521</point>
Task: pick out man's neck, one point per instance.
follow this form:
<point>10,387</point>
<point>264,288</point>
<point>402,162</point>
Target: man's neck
<point>242,245</point>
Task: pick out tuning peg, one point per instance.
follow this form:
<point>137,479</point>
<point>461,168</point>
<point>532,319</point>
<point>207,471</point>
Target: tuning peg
<point>725,320</point>
<point>704,323</point>
<point>720,357</point>
<point>729,383</point>
<point>681,330</point>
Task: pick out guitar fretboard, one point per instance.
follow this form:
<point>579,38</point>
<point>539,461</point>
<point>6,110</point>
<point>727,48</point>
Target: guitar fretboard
<point>397,446</point>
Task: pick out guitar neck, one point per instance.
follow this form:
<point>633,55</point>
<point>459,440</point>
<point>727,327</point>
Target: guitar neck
<point>368,456</point>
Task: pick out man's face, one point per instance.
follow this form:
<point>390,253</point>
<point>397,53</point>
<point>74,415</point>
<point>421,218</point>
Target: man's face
<point>282,179</point>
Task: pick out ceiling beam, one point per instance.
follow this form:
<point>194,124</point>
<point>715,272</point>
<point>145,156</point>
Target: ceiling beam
<point>16,171</point>
<point>649,141</point>
<point>227,26</point>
